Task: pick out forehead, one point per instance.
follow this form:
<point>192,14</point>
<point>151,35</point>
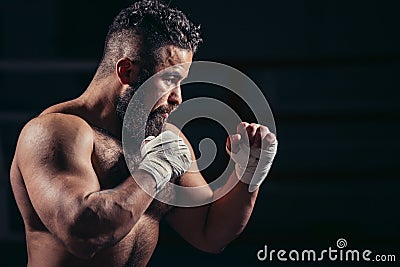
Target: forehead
<point>174,57</point>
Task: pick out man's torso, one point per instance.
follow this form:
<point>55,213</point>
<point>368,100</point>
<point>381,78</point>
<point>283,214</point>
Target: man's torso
<point>135,249</point>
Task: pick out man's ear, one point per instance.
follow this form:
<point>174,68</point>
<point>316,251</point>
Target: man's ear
<point>127,71</point>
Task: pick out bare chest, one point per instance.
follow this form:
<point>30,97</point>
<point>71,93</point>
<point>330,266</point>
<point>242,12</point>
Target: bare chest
<point>109,164</point>
<point>108,160</point>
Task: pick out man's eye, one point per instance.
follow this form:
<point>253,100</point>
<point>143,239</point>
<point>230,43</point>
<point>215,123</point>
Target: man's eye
<point>170,80</point>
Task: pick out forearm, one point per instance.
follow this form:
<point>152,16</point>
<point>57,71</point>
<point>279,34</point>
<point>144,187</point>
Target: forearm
<point>107,216</point>
<point>211,227</point>
<point>228,216</point>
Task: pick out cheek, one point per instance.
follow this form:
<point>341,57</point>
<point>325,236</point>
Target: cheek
<point>156,94</point>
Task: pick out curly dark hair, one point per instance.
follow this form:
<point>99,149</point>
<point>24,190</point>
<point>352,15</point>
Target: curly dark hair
<point>139,30</point>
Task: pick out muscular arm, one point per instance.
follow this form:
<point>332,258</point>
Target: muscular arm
<point>54,156</point>
<point>211,227</point>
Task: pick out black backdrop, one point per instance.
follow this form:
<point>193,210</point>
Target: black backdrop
<point>330,70</point>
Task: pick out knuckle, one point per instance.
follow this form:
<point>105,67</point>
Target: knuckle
<point>270,138</point>
<point>265,128</point>
<point>242,128</point>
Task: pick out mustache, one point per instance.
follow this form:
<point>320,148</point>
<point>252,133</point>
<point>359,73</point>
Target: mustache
<point>165,109</point>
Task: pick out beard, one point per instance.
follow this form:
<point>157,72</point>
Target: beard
<point>140,122</point>
<point>156,121</point>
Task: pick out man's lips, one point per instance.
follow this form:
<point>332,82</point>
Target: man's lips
<point>164,111</point>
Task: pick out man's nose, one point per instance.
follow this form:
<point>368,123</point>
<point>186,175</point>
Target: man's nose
<point>175,96</point>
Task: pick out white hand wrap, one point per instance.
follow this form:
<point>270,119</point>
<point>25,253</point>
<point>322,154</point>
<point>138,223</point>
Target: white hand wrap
<point>164,157</point>
<point>253,164</point>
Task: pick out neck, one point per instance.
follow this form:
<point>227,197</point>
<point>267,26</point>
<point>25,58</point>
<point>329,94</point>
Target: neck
<point>99,105</point>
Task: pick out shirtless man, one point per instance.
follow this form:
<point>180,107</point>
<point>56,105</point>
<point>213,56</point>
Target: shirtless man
<point>80,204</point>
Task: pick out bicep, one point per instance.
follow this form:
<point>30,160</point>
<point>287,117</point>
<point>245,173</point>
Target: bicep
<point>57,171</point>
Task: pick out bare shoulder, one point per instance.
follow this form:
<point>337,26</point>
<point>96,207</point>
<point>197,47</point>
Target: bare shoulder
<point>177,131</point>
<point>55,131</point>
<point>193,176</point>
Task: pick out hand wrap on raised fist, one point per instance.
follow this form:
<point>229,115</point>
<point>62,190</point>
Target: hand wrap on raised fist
<point>253,164</point>
<point>164,157</point>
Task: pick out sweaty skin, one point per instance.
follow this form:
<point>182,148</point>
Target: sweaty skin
<point>79,203</point>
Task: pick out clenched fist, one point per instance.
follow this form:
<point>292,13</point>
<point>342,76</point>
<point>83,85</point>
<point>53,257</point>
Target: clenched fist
<point>164,157</point>
<point>253,149</point>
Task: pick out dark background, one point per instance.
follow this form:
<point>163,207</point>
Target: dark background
<point>330,70</point>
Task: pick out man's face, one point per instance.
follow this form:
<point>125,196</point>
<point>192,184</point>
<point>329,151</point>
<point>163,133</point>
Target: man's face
<point>161,96</point>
